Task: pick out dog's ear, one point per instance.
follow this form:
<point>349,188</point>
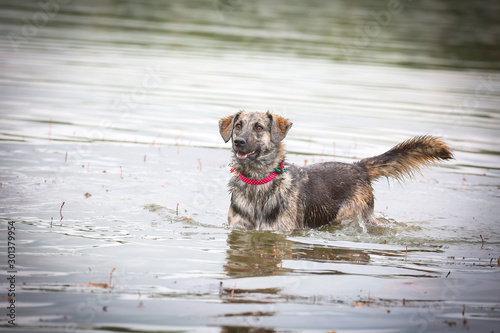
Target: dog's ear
<point>226,127</point>
<point>279,128</point>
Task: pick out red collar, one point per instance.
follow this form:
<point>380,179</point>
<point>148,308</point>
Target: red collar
<point>265,180</point>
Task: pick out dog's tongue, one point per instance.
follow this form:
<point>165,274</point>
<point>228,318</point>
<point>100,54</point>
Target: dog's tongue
<point>241,155</point>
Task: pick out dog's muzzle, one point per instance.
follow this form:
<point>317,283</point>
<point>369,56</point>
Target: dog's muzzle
<point>241,150</point>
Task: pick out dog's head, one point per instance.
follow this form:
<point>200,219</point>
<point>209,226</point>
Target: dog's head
<point>253,133</point>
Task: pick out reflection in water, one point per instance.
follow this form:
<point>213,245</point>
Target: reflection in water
<point>238,329</point>
<point>253,253</point>
<point>258,253</point>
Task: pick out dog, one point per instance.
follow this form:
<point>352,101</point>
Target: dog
<point>267,193</point>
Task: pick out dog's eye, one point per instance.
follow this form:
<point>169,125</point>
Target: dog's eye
<point>238,126</point>
<point>259,128</point>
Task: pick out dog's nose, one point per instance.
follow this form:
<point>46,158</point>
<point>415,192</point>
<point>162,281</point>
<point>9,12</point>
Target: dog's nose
<point>239,141</point>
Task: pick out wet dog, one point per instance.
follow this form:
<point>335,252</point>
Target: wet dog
<point>269,194</point>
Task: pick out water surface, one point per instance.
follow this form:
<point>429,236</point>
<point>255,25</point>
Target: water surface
<point>111,108</point>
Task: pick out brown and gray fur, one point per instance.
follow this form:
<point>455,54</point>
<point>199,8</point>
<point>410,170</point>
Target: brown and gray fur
<point>312,196</point>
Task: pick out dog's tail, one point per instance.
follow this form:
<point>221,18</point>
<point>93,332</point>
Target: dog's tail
<point>406,158</point>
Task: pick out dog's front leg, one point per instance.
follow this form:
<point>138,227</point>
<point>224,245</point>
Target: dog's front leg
<point>237,221</point>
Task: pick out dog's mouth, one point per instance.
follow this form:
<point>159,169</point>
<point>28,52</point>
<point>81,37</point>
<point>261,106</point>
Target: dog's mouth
<point>247,156</point>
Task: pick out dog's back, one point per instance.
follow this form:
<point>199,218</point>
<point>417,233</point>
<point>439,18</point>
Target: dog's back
<point>325,188</point>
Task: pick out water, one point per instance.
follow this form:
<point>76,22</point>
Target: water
<point>111,108</point>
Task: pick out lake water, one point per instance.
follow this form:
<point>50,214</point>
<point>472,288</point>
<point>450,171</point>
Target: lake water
<point>113,174</point>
